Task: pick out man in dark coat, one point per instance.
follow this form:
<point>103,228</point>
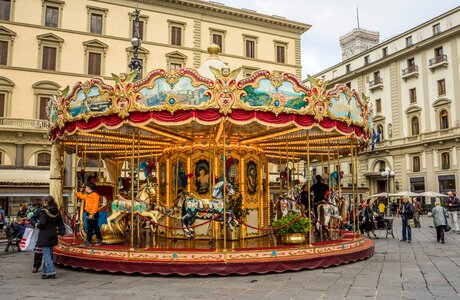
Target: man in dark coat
<point>407,213</point>
<point>50,223</point>
<point>318,189</point>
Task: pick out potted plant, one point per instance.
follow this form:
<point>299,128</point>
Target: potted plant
<point>295,232</point>
<point>235,205</point>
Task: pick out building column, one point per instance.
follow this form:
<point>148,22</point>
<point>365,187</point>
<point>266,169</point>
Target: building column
<point>19,156</point>
<point>56,175</point>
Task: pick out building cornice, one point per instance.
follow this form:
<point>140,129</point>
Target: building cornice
<point>230,12</point>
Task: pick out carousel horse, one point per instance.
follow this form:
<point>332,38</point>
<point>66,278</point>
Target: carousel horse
<point>122,207</point>
<point>327,213</point>
<point>204,209</point>
<point>286,204</point>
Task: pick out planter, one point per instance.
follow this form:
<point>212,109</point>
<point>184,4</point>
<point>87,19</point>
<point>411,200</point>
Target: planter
<point>233,235</point>
<point>293,238</point>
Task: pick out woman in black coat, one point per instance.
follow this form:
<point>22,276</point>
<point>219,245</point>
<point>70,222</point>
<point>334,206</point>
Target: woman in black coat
<point>49,223</point>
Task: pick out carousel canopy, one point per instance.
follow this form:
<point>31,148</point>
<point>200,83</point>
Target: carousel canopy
<point>272,112</point>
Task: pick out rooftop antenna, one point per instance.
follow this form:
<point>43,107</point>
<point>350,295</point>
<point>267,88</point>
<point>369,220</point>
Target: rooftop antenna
<point>357,16</point>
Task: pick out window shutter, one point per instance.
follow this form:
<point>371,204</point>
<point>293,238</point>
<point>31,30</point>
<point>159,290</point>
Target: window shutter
<point>2,105</point>
<point>42,108</point>
<point>3,52</point>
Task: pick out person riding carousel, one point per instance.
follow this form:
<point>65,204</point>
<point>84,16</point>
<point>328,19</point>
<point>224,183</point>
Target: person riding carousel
<point>319,190</point>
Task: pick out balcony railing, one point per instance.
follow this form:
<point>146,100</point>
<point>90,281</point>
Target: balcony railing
<point>23,123</point>
<point>410,71</point>
<point>438,61</point>
<point>376,83</point>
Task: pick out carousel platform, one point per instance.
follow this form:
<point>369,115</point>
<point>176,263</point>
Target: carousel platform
<point>199,257</point>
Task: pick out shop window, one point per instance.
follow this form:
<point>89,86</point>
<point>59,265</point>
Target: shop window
<point>446,183</point>
<point>417,184</point>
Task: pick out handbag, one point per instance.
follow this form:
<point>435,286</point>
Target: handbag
<point>410,223</point>
<point>29,239</point>
<point>448,228</point>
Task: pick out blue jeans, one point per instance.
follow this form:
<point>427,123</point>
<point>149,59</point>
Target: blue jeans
<point>405,229</point>
<point>48,265</point>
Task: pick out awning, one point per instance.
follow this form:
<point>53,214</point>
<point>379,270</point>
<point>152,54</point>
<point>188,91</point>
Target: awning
<point>21,176</point>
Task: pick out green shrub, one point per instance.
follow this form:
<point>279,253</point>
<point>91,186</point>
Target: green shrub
<point>302,225</point>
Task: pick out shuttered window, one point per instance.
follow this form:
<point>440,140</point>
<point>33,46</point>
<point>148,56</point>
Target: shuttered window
<point>281,54</point>
<point>3,52</point>
<point>176,36</point>
<point>42,108</point>
<point>43,159</point>
<point>2,105</point>
<point>94,63</point>
<point>49,58</point>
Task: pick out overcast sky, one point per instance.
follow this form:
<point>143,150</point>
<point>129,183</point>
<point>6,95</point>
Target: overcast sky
<point>331,19</point>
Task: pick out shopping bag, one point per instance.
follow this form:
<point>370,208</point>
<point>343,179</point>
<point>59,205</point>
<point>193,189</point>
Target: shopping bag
<point>410,223</point>
<point>29,239</point>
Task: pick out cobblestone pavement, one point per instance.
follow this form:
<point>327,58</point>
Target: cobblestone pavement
<point>423,269</point>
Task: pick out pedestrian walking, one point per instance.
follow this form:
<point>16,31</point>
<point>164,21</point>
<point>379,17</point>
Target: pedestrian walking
<point>407,214</point>
<point>34,219</point>
<point>367,220</point>
<point>91,213</point>
<point>452,207</point>
<point>50,224</point>
<point>440,216</point>
<point>417,212</point>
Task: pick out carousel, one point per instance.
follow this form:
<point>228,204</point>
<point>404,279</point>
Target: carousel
<point>187,157</point>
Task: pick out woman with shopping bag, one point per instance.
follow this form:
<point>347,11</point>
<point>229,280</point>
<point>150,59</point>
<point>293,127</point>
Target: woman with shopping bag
<point>49,223</point>
<point>38,253</point>
<point>440,216</point>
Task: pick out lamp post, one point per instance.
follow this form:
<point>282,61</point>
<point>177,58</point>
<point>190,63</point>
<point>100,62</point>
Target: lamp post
<point>135,63</point>
<point>387,174</point>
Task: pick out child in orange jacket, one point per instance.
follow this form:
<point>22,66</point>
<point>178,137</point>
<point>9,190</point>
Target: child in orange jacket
<point>92,214</point>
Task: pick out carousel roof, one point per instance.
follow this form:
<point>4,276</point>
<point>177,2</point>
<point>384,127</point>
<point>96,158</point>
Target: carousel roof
<point>188,108</point>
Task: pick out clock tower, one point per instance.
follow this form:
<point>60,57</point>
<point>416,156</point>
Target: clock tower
<point>358,41</point>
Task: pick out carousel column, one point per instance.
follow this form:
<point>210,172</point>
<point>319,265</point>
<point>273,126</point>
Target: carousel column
<point>310,236</point>
<point>267,196</point>
<point>56,174</point>
<point>242,191</point>
<point>261,201</point>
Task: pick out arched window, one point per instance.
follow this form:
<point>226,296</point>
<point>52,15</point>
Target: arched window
<point>415,127</point>
<point>416,164</point>
<point>381,166</point>
<point>444,119</point>
<point>43,159</point>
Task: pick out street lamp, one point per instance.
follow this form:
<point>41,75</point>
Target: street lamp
<point>135,63</point>
<point>387,174</point>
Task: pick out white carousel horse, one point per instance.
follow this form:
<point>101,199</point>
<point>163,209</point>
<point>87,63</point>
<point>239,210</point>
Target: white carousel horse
<point>328,214</point>
<point>122,207</point>
<point>286,204</point>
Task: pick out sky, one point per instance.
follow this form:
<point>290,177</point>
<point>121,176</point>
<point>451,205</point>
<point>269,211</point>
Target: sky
<point>331,19</point>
